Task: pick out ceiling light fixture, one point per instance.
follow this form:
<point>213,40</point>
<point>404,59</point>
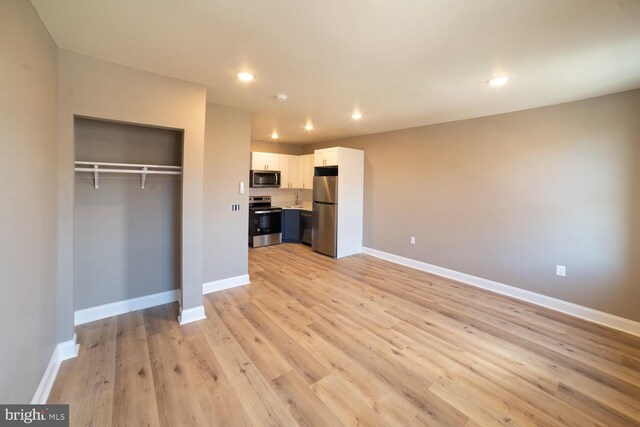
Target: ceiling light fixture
<point>356,116</point>
<point>274,135</point>
<point>498,81</point>
<point>308,126</point>
<point>281,97</point>
<point>245,76</point>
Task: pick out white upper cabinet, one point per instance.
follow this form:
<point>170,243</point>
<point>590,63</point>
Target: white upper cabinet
<point>305,172</point>
<point>326,157</point>
<point>296,171</point>
<point>265,161</point>
<point>289,166</point>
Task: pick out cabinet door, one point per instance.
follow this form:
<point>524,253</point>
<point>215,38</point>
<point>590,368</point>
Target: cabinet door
<point>291,225</point>
<point>273,162</point>
<point>259,161</point>
<point>289,166</point>
<point>326,157</point>
<point>293,172</point>
<point>305,172</point>
<point>308,171</point>
<point>285,177</point>
<point>265,161</point>
<point>301,171</point>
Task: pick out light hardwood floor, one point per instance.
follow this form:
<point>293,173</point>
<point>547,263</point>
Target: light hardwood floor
<point>358,341</point>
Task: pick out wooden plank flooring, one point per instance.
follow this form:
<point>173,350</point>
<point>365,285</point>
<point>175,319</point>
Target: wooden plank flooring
<point>359,341</point>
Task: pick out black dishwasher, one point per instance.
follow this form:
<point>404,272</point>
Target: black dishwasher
<point>305,225</point>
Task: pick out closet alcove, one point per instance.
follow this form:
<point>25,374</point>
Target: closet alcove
<point>127,211</point>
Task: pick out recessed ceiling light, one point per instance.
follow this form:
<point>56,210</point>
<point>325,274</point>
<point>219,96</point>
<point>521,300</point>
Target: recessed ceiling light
<point>356,116</point>
<point>498,81</point>
<point>274,135</point>
<point>308,126</point>
<point>245,76</point>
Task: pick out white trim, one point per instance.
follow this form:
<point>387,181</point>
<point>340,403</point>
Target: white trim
<point>191,315</point>
<point>68,349</point>
<point>120,307</point>
<point>63,351</point>
<point>220,285</point>
<point>586,313</point>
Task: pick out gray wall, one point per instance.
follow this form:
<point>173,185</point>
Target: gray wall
<point>508,197</point>
<point>277,147</point>
<point>91,87</point>
<point>226,159</point>
<point>28,167</point>
<point>127,240</point>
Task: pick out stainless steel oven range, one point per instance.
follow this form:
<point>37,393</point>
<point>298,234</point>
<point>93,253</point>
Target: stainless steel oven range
<point>265,223</point>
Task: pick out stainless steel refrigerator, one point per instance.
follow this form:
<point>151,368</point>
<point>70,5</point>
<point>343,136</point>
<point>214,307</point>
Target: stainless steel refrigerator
<point>324,232</point>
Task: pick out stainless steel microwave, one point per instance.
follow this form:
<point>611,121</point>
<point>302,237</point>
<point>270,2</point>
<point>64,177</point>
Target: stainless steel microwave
<point>264,179</point>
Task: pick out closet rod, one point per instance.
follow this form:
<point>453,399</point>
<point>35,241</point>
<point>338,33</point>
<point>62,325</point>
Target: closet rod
<point>129,171</point>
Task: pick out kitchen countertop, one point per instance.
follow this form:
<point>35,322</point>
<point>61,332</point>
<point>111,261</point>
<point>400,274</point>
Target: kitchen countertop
<point>305,206</point>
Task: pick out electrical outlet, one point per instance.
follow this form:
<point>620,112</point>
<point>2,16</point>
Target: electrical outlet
<point>561,270</point>
<point>413,240</point>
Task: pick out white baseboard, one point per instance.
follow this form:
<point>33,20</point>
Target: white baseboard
<point>586,313</point>
<point>63,351</point>
<point>231,282</point>
<point>120,307</point>
<point>191,315</point>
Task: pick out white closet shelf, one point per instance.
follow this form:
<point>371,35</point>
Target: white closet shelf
<point>133,168</point>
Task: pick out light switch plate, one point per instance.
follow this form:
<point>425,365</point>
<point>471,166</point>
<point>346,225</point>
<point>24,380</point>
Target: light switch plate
<point>561,270</point>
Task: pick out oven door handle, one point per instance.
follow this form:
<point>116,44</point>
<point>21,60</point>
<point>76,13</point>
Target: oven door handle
<point>272,211</point>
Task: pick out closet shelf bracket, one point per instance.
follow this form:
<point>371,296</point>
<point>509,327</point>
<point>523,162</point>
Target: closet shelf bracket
<point>144,177</point>
<point>96,183</point>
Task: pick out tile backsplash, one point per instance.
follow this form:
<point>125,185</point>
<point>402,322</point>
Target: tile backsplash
<point>283,196</point>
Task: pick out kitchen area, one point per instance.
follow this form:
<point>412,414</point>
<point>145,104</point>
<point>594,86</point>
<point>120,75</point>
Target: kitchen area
<point>313,199</point>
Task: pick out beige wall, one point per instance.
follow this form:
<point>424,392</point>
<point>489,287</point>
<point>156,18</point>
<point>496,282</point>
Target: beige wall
<point>93,88</point>
<point>277,147</point>
<point>226,159</point>
<point>28,167</point>
<point>508,197</point>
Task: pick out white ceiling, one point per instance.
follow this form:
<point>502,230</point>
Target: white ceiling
<point>403,63</point>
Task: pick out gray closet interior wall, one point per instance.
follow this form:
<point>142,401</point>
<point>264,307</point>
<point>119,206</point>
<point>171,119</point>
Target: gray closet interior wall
<point>126,239</point>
